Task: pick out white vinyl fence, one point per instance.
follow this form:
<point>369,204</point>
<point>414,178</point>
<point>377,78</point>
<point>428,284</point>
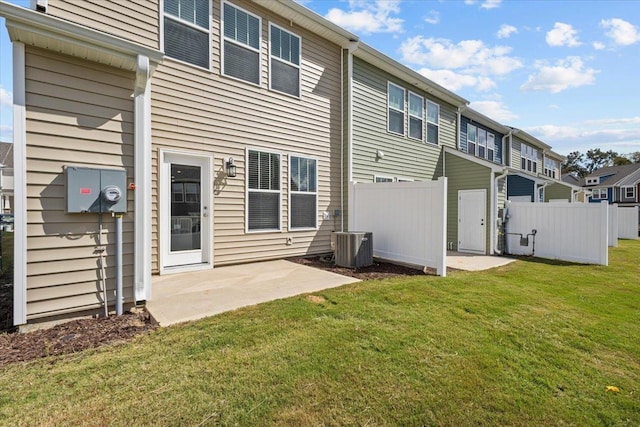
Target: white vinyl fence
<point>628,223</point>
<point>575,232</point>
<point>408,220</point>
<point>613,226</point>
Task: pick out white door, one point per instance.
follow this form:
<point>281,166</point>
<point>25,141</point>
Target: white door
<point>472,228</point>
<point>185,211</point>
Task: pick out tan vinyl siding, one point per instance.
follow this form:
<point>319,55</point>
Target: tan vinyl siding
<point>193,109</point>
<point>134,20</point>
<point>463,174</point>
<point>557,192</point>
<point>404,157</point>
<point>516,157</point>
<point>78,113</point>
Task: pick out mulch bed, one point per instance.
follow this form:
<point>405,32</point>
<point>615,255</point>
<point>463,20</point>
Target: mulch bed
<point>78,335</point>
<point>73,336</point>
<point>379,270</point>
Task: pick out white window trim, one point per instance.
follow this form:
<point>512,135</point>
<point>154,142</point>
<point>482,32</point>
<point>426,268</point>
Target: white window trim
<point>404,113</point>
<point>533,157</point>
<point>302,156</point>
<point>426,138</point>
<point>479,145</point>
<point>174,18</point>
<point>246,195</point>
<point>633,192</point>
<point>299,66</point>
<point>223,39</point>
<point>598,193</point>
<point>493,135</point>
<point>375,178</point>
<point>475,141</point>
<point>422,119</point>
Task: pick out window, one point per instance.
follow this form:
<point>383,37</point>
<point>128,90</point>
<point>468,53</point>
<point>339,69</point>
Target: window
<point>416,114</point>
<point>600,193</point>
<point>629,192</point>
<point>378,179</point>
<point>186,31</point>
<point>482,143</point>
<point>192,192</point>
<point>395,103</point>
<point>241,39</point>
<point>529,158</point>
<point>491,146</point>
<point>472,133</point>
<point>303,193</point>
<point>285,50</point>
<point>177,192</point>
<point>593,181</point>
<point>263,189</point>
<point>550,167</point>
<point>433,120</point>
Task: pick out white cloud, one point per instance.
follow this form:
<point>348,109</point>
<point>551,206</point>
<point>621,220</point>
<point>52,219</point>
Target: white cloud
<point>505,31</point>
<point>553,107</point>
<point>487,4</point>
<point>468,56</point>
<point>619,134</point>
<point>620,31</point>
<point>491,4</point>
<point>6,133</point>
<point>455,81</point>
<point>368,17</point>
<point>496,110</point>
<point>6,98</point>
<point>563,35</point>
<point>433,17</point>
<point>598,45</point>
<point>566,73</point>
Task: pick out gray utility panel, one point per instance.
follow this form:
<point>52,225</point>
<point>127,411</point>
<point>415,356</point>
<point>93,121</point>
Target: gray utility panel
<point>96,190</point>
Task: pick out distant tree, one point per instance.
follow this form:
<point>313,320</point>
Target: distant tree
<point>634,157</point>
<point>621,160</point>
<point>596,159</point>
<point>574,164</point>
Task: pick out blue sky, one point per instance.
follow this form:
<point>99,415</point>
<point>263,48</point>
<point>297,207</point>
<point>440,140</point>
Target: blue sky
<point>565,71</point>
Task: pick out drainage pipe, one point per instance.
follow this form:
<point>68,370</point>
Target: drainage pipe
<point>503,175</point>
<point>118,217</point>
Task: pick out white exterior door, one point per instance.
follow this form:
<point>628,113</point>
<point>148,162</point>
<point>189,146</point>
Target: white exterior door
<point>472,221</point>
<point>186,211</point>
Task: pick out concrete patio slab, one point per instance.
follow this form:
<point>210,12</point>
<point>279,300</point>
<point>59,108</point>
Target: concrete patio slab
<point>471,262</point>
<point>194,295</point>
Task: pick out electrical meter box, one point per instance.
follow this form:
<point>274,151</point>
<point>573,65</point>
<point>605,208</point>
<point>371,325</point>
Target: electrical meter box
<point>96,190</point>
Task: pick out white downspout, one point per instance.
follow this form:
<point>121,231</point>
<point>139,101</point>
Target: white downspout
<point>541,192</point>
<point>353,46</point>
<point>459,111</point>
<point>497,179</point>
<point>341,139</point>
<point>504,147</point>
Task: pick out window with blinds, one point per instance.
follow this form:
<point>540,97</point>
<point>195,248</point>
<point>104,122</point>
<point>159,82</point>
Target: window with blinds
<point>433,122</point>
<point>416,114</point>
<point>284,61</point>
<point>263,189</point>
<point>241,51</point>
<point>303,193</point>
<point>395,104</point>
<point>186,31</point>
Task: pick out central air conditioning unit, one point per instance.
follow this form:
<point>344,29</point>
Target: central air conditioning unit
<point>354,249</point>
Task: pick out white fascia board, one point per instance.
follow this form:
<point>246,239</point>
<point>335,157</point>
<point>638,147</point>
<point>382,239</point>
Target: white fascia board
<point>45,31</point>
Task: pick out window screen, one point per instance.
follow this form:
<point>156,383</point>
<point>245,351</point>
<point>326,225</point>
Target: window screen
<point>396,109</point>
<point>188,43</point>
<point>433,121</point>
<point>241,44</point>
<point>264,191</point>
<point>416,114</point>
<point>303,191</point>
<point>285,61</point>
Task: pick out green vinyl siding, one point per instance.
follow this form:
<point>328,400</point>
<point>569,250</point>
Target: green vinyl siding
<point>557,192</point>
<point>403,157</point>
<point>463,174</point>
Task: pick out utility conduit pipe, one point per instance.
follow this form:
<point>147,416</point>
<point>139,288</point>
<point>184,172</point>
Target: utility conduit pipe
<point>503,175</point>
<point>118,217</point>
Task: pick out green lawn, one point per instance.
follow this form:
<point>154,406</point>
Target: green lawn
<point>531,343</point>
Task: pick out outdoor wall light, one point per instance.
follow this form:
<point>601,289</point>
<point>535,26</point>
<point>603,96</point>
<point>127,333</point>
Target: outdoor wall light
<point>379,154</point>
<point>230,167</point>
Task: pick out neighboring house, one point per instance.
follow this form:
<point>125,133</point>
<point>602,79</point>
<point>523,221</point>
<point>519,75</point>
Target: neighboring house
<point>615,184</point>
<point>580,194</point>
<point>6,177</point>
<point>226,116</point>
<point>476,185</point>
<point>534,171</point>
